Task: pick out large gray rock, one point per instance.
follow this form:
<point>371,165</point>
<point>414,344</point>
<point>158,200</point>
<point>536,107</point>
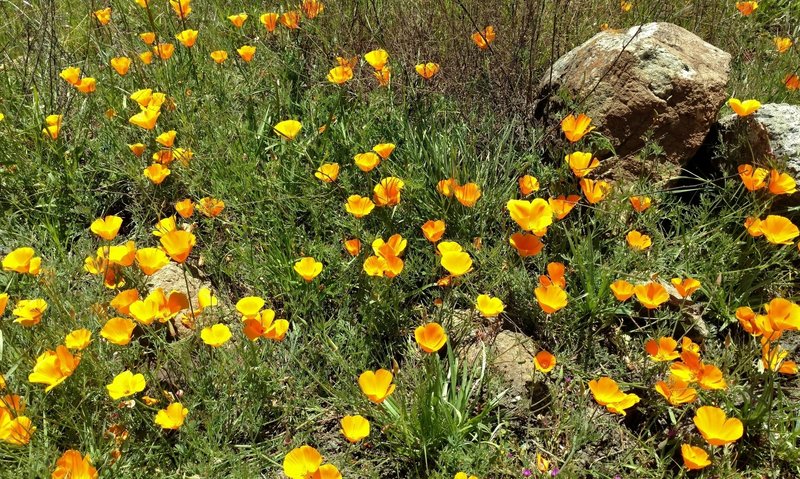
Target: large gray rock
<point>771,133</point>
<point>655,82</point>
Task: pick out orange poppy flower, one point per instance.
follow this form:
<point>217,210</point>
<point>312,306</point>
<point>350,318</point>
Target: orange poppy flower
<point>269,20</point>
<point>146,119</point>
<point>124,299</point>
<point>377,386</point>
<point>581,163</point>
<point>126,384</point>
<point>575,128</point>
<point>387,192</point>
<point>219,56</point>
<point>467,194</point>
<point>685,287</point>
<point>238,19</point>
<point>484,38</point>
<point>23,260</point>
<point>118,331</point>
<point>430,337</point>
<point>393,247</point>
<point>187,38</point>
<point>353,246</point>
<point>150,260</point>
<point>555,275</point>
<point>447,187</point>
<point>86,85</point>
<point>662,349</point>
<point>146,57</point>
<point>340,75</point>
<point>148,37</point>
<point>52,126</point>
<point>121,65</point>
<point>156,173</point>
<point>178,244</point>
<point>433,230</point>
<point>638,241</point>
<point>164,51</point>
<point>640,203</point>
<point>264,325</point>
<point>211,207</point>
<point>607,393</point>
<point>312,8</point>
<point>651,295</point>
<point>488,306</point>
<point>782,44</point>
<point>694,458</point>
<point>302,463</point>
<point>71,75</point>
<point>544,362</point>
<point>595,191</point>
<point>456,263</point>
<point>182,8</point>
<point>551,298</point>
<point>106,228</point>
<point>753,178</point>
<point>715,426</point>
<point>377,58</point>
<point>308,268</point>
<point>354,428</point>
<point>102,16</point>
<point>792,82</point>
<point>366,162</point>
<point>774,358</point>
<point>288,129</point>
<point>781,183</point>
<point>384,150</point>
<point>185,208</point>
<point>384,75</point>
<point>746,8</point>
<point>28,312</point>
<point>328,172</point>
<point>777,229</point>
<point>54,367</point>
<point>526,244</point>
<point>562,205</point>
<point>172,417</point>
<point>359,206</point>
<point>291,20</point>
<point>72,465</point>
<point>784,314</point>
<point>246,52</point>
<point>427,70</point>
<point>528,184</point>
<point>746,317</point>
<point>216,335</point>
<point>744,108</point>
<point>676,392</point>
<point>622,289</point>
<point>534,216</point>
<point>375,266</point>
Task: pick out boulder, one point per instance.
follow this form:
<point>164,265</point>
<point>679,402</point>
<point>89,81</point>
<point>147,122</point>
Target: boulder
<point>770,136</point>
<point>655,82</point>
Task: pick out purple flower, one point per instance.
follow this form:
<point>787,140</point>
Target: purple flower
<point>554,472</point>
<point>526,472</point>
